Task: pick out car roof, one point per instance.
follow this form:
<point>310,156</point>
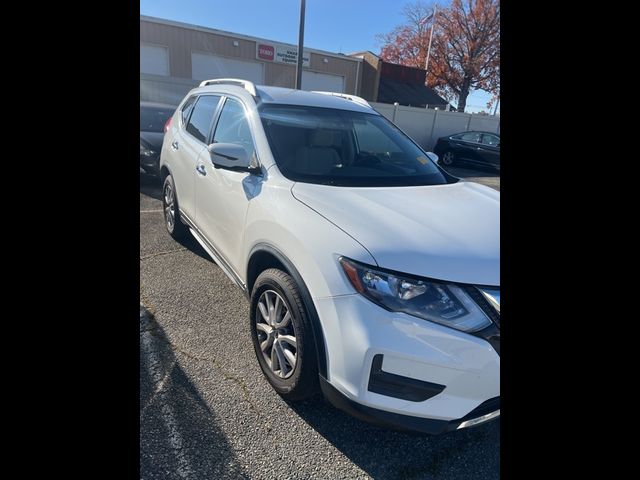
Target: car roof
<point>475,131</point>
<point>289,96</point>
<point>157,105</point>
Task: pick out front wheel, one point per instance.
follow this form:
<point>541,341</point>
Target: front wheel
<point>282,336</point>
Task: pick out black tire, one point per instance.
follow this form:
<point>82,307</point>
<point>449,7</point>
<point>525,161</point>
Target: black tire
<point>303,382</point>
<point>176,228</point>
<point>448,158</point>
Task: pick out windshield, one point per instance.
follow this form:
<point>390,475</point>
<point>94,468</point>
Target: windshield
<point>342,147</point>
<point>152,119</point>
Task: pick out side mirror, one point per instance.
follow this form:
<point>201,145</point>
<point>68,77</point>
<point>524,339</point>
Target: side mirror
<point>232,157</point>
<point>433,157</point>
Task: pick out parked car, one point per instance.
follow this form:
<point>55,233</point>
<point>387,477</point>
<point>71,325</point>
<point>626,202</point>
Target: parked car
<point>153,117</point>
<point>372,274</point>
<point>474,148</point>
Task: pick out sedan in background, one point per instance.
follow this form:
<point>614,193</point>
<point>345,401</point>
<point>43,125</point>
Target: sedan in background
<point>153,117</point>
<point>474,148</point>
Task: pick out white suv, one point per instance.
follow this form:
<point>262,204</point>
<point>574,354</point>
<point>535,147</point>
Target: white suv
<point>373,274</point>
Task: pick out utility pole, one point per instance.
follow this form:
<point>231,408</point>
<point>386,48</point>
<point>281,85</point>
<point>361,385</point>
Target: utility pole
<point>300,48</point>
<point>496,107</point>
<point>433,23</point>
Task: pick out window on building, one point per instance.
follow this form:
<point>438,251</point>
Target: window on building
<point>154,59</point>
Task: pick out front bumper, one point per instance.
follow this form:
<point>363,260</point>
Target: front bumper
<point>385,366</point>
<point>485,412</point>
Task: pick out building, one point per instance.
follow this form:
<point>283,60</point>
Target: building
<point>386,82</point>
<point>174,57</point>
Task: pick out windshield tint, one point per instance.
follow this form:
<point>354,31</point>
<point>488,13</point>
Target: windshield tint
<point>152,119</point>
<point>342,147</point>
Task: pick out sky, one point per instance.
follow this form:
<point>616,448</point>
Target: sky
<point>334,25</point>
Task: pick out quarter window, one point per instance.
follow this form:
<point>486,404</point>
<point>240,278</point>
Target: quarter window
<point>186,109</point>
<point>202,115</point>
<point>490,140</point>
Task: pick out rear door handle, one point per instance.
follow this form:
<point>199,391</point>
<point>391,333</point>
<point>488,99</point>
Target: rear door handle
<point>201,170</point>
<point>174,145</point>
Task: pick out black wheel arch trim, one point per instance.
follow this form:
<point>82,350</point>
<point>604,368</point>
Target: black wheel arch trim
<point>316,326</point>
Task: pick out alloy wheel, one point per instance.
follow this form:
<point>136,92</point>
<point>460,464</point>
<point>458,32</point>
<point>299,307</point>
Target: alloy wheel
<point>447,158</point>
<point>169,206</point>
<point>276,334</point>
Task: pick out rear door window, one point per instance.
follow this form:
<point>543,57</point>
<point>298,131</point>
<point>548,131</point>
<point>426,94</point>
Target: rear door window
<point>202,116</point>
<point>488,139</point>
<point>473,137</point>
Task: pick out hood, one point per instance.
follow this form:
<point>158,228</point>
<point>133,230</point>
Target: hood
<point>153,139</point>
<point>447,232</point>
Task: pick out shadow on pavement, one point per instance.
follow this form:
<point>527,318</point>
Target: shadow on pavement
<point>193,246</point>
<point>151,186</point>
<point>468,453</point>
<point>174,420</point>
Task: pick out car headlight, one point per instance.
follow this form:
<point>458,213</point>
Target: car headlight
<point>145,151</point>
<point>439,302</point>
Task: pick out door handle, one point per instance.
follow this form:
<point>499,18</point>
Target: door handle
<point>201,170</point>
<point>174,145</point>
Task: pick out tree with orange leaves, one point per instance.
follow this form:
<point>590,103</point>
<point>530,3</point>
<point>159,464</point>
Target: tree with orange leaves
<point>465,53</point>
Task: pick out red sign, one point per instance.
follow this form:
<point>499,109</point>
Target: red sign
<point>266,52</point>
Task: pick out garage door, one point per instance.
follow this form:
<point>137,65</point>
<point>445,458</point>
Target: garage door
<point>205,66</point>
<point>154,59</point>
<point>322,81</point>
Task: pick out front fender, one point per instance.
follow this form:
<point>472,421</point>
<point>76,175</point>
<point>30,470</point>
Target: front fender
<point>309,241</point>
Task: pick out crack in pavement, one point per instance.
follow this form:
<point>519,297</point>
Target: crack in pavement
<point>153,330</point>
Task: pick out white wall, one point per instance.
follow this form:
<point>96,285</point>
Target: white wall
<point>425,125</point>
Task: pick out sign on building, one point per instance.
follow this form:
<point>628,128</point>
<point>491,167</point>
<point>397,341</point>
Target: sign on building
<point>275,52</point>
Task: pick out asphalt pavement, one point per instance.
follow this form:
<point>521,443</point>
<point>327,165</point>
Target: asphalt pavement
<point>206,411</point>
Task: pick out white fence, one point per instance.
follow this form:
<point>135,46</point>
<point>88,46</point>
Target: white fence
<point>425,125</point>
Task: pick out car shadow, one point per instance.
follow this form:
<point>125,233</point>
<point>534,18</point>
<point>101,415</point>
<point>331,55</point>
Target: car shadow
<point>191,244</point>
<point>175,422</point>
<point>458,454</point>
<point>151,186</point>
